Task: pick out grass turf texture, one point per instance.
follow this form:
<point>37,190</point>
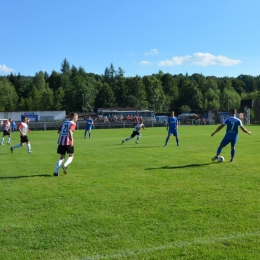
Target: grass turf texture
<point>131,201</point>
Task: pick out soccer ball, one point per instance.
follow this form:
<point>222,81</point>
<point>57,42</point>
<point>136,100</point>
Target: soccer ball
<point>221,159</point>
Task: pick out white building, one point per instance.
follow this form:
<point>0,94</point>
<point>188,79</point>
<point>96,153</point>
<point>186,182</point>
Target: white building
<point>35,115</point>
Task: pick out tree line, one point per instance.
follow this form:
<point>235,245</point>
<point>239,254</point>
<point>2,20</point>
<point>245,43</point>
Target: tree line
<point>73,89</point>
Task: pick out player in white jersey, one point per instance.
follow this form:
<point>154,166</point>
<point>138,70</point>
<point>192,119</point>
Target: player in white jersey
<point>24,130</point>
<point>7,131</point>
<point>136,132</point>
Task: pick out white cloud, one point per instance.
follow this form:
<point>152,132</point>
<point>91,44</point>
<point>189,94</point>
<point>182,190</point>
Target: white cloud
<point>144,62</point>
<point>200,59</point>
<point>151,52</point>
<point>5,69</point>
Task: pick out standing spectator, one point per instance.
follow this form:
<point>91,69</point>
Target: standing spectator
<point>136,131</point>
<point>231,135</point>
<point>66,143</point>
<point>24,130</point>
<point>1,122</point>
<point>13,126</point>
<point>7,131</point>
<point>89,124</point>
<point>172,128</point>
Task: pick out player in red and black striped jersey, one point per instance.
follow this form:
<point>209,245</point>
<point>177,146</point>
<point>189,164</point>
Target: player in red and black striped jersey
<point>66,143</point>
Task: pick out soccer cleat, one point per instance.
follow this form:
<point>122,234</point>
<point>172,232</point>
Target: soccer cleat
<point>137,142</point>
<point>29,151</point>
<point>123,141</point>
<point>55,174</point>
<point>12,149</point>
<point>178,145</point>
<point>231,160</point>
<point>64,169</point>
<point>214,158</point>
<point>1,144</point>
<point>8,143</point>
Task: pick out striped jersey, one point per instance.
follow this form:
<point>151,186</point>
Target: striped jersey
<point>64,132</point>
<point>138,127</point>
<point>7,125</point>
<point>24,128</point>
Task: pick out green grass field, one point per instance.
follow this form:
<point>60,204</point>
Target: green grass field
<point>131,201</point>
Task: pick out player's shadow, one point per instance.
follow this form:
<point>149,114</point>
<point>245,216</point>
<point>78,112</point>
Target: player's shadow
<point>180,166</point>
<point>26,176</point>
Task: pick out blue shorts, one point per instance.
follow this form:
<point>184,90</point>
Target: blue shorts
<point>229,139</point>
<point>88,128</point>
<point>173,132</point>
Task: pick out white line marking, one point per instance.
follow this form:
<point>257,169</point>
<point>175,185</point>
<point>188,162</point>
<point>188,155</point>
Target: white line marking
<point>207,240</point>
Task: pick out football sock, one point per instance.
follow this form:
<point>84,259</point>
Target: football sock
<point>89,135</point>
<point>233,151</point>
<point>58,165</point>
<point>128,138</point>
<point>219,151</point>
<point>29,147</point>
<point>166,141</point>
<point>9,139</point>
<point>17,146</point>
<point>68,161</point>
<point>3,140</point>
<point>177,141</point>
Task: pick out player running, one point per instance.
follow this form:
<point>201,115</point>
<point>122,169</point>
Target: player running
<point>24,130</point>
<point>172,128</point>
<point>66,143</point>
<point>231,135</point>
<point>136,132</point>
<point>7,131</point>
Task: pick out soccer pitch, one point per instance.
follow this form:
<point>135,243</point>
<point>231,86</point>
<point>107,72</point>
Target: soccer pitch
<point>131,201</point>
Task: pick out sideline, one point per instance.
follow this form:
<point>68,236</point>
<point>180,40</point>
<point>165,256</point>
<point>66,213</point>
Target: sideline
<point>199,241</point>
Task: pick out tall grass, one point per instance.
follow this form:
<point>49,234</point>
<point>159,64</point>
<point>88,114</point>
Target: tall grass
<point>131,201</point>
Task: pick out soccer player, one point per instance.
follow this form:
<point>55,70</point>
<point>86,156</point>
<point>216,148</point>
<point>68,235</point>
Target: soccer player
<point>136,132</point>
<point>231,135</point>
<point>7,131</point>
<point>66,143</point>
<point>24,130</point>
<point>89,124</point>
<point>172,128</point>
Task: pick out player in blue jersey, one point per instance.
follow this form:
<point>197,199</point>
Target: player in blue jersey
<point>172,128</point>
<point>231,135</point>
<point>89,124</point>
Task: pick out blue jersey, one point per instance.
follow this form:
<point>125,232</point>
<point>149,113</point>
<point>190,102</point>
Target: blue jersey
<point>232,124</point>
<point>89,123</point>
<point>172,122</point>
<point>231,135</point>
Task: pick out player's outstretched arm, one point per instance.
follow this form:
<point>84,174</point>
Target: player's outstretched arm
<point>218,129</point>
<point>245,130</point>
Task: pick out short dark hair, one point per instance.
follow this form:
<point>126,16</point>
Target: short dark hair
<point>233,111</point>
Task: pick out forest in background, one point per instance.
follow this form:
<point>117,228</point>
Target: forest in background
<point>74,89</point>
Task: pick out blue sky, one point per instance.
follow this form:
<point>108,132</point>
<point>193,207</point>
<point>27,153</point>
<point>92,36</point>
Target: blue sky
<point>211,37</point>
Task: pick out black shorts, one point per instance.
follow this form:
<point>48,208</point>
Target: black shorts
<point>63,149</point>
<point>6,132</point>
<point>24,139</point>
<point>134,134</point>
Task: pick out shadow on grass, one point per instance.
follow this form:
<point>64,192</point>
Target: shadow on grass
<point>179,166</point>
<point>26,176</point>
